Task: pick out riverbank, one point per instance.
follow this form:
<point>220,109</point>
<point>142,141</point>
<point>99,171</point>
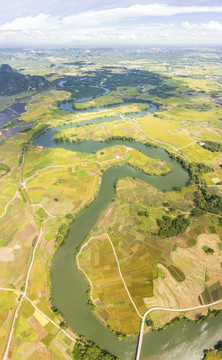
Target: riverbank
<point>83,224</point>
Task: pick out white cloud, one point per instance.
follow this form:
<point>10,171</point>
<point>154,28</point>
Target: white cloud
<point>99,17</point>
<point>116,25</point>
<point>210,26</point>
<point>94,18</point>
<point>41,22</point>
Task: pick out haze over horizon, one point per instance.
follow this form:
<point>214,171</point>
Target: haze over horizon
<point>93,22</point>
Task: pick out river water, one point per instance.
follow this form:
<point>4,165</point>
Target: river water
<point>183,341</point>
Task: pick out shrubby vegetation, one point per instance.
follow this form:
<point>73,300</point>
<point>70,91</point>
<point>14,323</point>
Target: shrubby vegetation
<point>206,201</point>
<point>25,130</point>
<point>55,310</point>
<point>196,169</point>
<point>172,227</point>
<point>63,324</point>
<point>207,249</point>
<point>212,146</point>
<point>194,106</point>
<point>196,212</point>
<point>88,350</point>
<point>62,231</point>
<point>5,168</point>
<point>122,138</point>
<point>200,319</point>
<point>39,130</point>
<point>118,334</point>
<point>90,303</point>
<point>24,148</point>
<point>143,213</point>
<point>217,346</point>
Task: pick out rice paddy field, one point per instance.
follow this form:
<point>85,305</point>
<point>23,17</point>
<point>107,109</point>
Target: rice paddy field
<point>157,271</point>
<point>128,265</point>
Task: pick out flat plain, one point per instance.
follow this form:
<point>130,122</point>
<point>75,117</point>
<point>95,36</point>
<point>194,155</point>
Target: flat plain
<point>130,265</point>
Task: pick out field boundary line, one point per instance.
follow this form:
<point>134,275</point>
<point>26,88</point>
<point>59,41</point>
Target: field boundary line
<point>26,297</point>
<point>159,141</point>
<point>64,165</point>
<point>117,261</point>
<point>139,347</point>
<point>73,164</point>
<point>114,251</point>
<point>9,204</point>
<point>184,147</point>
<point>79,267</point>
<point>22,298</point>
<point>40,205</point>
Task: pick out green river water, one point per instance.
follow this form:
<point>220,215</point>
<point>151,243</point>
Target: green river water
<point>183,341</point>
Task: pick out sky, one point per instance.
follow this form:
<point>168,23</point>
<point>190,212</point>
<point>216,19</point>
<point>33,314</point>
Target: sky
<point>111,22</point>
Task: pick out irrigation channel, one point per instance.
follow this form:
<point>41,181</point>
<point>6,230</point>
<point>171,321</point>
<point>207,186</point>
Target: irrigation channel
<point>183,341</point>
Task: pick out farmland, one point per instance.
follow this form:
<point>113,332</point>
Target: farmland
<point>129,265</point>
<point>151,266</point>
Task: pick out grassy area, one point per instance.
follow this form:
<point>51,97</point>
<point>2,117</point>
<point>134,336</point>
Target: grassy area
<point>156,270</point>
<point>147,261</point>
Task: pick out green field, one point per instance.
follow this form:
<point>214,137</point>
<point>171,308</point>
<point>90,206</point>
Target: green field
<point>43,189</point>
<point>147,261</point>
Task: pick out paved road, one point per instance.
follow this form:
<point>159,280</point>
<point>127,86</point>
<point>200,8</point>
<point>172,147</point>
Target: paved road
<point>139,347</point>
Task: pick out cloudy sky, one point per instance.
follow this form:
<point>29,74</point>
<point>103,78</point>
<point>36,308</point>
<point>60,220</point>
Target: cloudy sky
<point>101,22</point>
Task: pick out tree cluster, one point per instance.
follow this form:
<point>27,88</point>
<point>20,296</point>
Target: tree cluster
<point>4,167</point>
<point>90,303</point>
<point>209,202</point>
<point>172,227</point>
<point>196,169</point>
<point>212,146</point>
<point>143,213</point>
<point>217,346</point>
<point>39,130</point>
<point>85,350</point>
<point>194,106</point>
<point>207,249</point>
<point>120,336</point>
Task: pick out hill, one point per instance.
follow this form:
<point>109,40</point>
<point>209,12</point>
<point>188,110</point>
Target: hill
<point>12,82</point>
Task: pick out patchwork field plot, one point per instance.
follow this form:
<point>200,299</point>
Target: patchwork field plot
<point>8,303</point>
<point>129,266</point>
<point>36,337</point>
<point>69,186</point>
<point>157,271</point>
<point>109,293</point>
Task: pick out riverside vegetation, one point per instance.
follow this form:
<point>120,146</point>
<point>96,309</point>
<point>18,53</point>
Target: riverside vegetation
<point>157,239</point>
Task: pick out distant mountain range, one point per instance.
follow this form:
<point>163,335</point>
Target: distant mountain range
<point>12,82</point>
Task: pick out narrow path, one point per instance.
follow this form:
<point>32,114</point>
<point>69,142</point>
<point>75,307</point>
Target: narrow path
<point>120,273</point>
<point>139,348</point>
<point>79,267</point>
<point>15,112</point>
<point>57,166</point>
<point>73,164</point>
<point>40,205</point>
<point>22,298</point>
<point>117,261</point>
<point>161,142</point>
<point>9,204</point>
<point>45,316</point>
<point>184,147</point>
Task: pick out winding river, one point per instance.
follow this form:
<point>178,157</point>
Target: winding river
<point>183,341</point>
